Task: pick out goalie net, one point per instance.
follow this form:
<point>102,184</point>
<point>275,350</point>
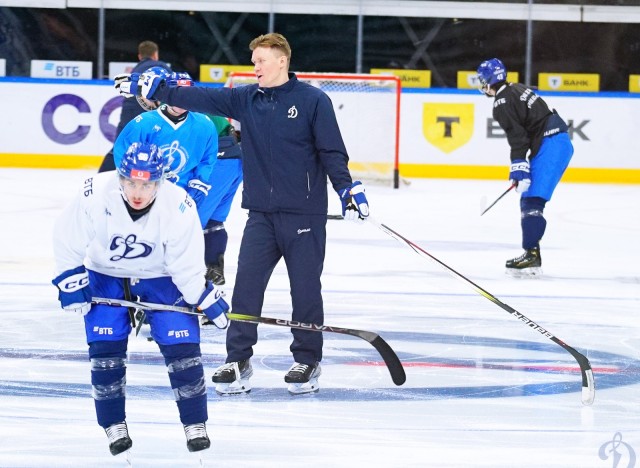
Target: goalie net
<point>368,111</point>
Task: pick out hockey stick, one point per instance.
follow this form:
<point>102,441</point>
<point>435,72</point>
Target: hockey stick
<point>386,352</point>
<point>511,187</point>
<point>588,383</point>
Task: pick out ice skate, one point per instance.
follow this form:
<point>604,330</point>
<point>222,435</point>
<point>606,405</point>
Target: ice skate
<point>529,264</point>
<point>233,378</point>
<point>197,438</point>
<point>303,378</point>
<point>215,272</point>
<point>119,440</point>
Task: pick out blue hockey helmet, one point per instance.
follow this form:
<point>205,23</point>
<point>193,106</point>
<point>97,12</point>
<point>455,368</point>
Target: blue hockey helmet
<point>142,161</point>
<point>180,79</point>
<point>148,104</point>
<point>490,72</point>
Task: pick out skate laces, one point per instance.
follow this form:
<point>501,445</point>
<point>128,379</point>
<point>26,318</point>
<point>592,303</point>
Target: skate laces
<point>117,431</point>
<point>230,366</point>
<point>299,368</point>
<point>195,431</point>
<point>521,257</point>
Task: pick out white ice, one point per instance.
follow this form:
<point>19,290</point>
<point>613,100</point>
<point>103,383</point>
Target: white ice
<point>483,389</point>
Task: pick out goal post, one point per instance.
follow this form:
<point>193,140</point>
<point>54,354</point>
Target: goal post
<point>367,108</point>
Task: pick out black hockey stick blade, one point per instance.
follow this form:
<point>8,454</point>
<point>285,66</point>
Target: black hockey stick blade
<point>511,187</point>
<point>588,382</point>
<point>386,352</point>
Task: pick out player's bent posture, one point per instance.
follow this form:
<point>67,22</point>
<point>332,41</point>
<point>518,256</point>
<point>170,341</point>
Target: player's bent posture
<point>540,153</point>
<point>291,142</point>
<point>130,234</point>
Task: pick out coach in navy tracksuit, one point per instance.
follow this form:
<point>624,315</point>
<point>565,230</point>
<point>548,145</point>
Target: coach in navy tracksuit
<point>291,143</point>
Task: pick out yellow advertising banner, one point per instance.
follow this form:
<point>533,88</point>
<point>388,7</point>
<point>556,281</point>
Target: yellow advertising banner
<point>569,81</point>
<point>469,79</point>
<point>409,78</point>
<point>447,126</point>
<point>220,73</point>
<point>634,83</point>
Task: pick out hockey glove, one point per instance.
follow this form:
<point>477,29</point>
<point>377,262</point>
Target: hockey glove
<point>214,306</point>
<point>148,83</point>
<point>198,190</point>
<point>74,295</point>
<point>354,202</point>
<point>137,84</point>
<point>519,175</point>
<point>229,147</point>
<point>122,82</point>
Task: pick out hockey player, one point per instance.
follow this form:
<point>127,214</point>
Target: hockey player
<point>187,140</point>
<point>290,143</point>
<point>128,232</point>
<point>540,153</point>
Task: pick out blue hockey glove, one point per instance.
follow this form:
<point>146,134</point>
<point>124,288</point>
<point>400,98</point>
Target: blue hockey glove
<point>519,175</point>
<point>214,306</point>
<point>148,84</point>
<point>137,84</point>
<point>122,82</point>
<point>229,147</point>
<point>354,202</point>
<point>198,190</point>
<point>74,294</point>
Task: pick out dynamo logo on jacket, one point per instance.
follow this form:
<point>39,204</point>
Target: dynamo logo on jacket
<point>129,248</point>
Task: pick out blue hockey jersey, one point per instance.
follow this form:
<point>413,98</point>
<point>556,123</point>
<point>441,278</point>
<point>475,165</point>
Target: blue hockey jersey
<point>190,146</point>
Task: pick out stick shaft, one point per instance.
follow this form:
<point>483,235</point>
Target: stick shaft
<point>511,187</point>
<point>386,352</point>
<point>588,385</point>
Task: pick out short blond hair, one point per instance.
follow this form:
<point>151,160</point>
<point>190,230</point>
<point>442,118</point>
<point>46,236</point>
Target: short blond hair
<point>272,41</point>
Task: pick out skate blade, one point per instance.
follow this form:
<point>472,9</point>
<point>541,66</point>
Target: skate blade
<point>533,272</point>
<point>198,457</point>
<point>234,388</point>
<point>311,386</point>
<point>125,457</point>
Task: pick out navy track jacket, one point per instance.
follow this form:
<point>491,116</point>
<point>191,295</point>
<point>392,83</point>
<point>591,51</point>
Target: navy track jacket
<point>291,141</point>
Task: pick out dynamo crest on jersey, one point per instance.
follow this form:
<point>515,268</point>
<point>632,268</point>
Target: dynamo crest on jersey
<point>129,248</point>
<point>176,157</point>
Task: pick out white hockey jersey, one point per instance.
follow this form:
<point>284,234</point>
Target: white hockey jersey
<point>96,230</point>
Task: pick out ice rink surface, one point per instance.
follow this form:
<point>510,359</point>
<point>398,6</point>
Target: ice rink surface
<point>482,390</point>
